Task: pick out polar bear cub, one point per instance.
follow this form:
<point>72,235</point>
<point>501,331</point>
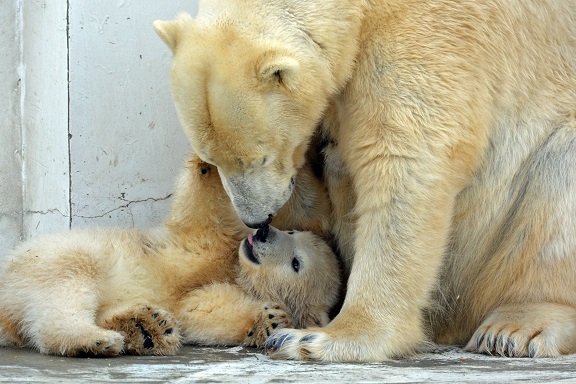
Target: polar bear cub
<point>113,291</point>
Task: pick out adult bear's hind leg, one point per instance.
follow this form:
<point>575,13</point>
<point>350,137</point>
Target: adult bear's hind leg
<point>535,330</point>
<point>528,286</point>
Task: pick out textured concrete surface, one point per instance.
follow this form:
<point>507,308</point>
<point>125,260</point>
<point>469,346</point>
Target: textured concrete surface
<point>88,131</point>
<point>225,365</point>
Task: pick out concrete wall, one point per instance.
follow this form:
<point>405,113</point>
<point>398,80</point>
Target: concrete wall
<point>44,117</point>
<point>10,127</point>
<point>88,131</point>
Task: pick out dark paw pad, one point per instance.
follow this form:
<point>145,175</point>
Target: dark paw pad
<point>147,331</point>
<point>148,343</point>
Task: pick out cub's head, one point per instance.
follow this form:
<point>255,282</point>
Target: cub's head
<point>249,96</point>
<point>295,269</point>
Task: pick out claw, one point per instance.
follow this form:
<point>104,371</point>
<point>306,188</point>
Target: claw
<point>275,342</point>
<point>479,341</point>
<point>309,337</point>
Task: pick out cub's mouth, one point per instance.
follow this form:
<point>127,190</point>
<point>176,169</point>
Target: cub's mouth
<point>248,248</point>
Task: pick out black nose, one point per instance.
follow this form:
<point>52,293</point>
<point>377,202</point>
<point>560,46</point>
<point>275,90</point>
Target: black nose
<point>264,228</point>
<point>262,233</point>
<point>261,224</point>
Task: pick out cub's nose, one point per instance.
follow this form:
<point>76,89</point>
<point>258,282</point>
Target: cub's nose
<point>263,230</point>
<point>262,233</point>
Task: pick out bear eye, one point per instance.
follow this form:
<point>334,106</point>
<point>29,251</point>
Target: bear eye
<point>290,232</point>
<point>295,264</point>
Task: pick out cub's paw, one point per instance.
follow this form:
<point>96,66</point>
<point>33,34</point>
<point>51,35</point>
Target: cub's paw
<point>272,318</point>
<point>86,341</point>
<point>534,330</point>
<point>147,331</point>
<point>108,343</point>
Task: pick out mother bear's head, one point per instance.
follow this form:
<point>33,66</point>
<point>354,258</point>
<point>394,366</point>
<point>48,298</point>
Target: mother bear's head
<point>249,97</point>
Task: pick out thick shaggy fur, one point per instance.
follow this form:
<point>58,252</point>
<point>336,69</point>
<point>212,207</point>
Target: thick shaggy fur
<point>112,291</point>
<point>456,123</point>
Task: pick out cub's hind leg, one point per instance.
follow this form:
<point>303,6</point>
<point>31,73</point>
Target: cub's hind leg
<point>59,320</point>
<point>49,298</point>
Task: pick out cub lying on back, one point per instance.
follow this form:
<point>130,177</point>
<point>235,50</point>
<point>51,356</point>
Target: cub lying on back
<point>107,292</point>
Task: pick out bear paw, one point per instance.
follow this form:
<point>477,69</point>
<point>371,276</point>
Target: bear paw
<point>273,317</point>
<point>328,344</point>
<point>108,343</point>
<point>86,341</point>
<point>147,331</point>
<point>534,330</point>
<point>296,344</point>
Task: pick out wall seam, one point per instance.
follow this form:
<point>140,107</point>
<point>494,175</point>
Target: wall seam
<point>69,117</point>
<point>22,95</point>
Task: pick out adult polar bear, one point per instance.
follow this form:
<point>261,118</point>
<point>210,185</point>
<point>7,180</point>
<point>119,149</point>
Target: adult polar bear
<point>455,120</point>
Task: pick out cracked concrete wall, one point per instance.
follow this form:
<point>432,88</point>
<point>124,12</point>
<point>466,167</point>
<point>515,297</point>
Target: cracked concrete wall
<point>34,149</point>
<point>88,131</point>
<point>127,145</point>
<point>44,100</point>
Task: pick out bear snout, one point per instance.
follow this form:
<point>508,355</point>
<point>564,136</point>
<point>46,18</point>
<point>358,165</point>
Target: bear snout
<point>264,223</point>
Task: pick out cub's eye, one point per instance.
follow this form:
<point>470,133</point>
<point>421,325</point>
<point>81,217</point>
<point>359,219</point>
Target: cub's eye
<point>290,232</point>
<point>295,264</point>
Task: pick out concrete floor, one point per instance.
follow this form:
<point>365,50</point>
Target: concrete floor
<point>239,365</point>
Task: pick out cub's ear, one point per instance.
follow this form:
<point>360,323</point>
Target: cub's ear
<point>171,31</point>
<point>279,68</point>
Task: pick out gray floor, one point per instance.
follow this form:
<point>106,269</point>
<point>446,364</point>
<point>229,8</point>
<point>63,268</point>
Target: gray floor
<point>224,365</point>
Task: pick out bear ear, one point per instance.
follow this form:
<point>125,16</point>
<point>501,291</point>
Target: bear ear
<point>280,69</point>
<point>170,31</point>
